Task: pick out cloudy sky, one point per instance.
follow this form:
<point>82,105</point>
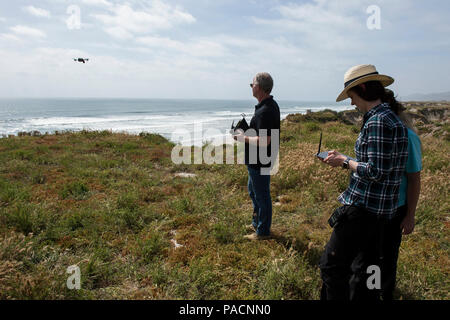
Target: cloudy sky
<point>212,48</point>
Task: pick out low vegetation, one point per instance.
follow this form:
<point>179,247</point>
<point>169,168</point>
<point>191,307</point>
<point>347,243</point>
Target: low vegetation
<point>113,205</point>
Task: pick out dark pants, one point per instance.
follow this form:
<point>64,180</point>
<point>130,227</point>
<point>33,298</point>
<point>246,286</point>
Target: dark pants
<point>392,237</point>
<point>259,191</point>
<point>350,250</point>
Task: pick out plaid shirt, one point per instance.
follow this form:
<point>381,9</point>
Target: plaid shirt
<point>381,152</point>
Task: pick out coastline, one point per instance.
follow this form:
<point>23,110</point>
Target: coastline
<point>423,114</point>
<point>160,116</point>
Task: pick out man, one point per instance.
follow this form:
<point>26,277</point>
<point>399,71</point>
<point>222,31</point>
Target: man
<point>381,152</point>
<point>261,149</point>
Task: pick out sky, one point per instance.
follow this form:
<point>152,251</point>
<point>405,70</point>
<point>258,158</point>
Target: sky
<point>211,49</point>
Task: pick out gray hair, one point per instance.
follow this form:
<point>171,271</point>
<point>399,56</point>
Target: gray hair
<point>264,81</point>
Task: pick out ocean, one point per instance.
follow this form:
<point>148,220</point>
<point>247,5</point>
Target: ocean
<point>189,122</point>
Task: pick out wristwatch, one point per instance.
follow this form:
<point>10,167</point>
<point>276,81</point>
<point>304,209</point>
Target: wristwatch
<point>345,164</point>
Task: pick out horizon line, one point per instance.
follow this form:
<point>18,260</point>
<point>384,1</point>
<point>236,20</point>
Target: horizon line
<point>147,98</point>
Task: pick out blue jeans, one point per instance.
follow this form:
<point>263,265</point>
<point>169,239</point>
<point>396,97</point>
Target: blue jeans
<point>259,191</point>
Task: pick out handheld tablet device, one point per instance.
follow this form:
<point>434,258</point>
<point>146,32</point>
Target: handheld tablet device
<point>322,155</point>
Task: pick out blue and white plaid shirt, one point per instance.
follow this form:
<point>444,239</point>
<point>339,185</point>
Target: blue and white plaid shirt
<point>381,152</point>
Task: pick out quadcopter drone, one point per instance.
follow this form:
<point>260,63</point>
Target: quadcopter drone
<point>84,60</point>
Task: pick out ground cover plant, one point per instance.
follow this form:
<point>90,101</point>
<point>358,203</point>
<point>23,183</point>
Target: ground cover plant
<point>114,205</point>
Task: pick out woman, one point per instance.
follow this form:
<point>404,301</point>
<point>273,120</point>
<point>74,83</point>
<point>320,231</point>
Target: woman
<point>372,195</point>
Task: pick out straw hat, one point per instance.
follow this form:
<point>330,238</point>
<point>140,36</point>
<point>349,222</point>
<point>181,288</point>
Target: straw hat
<point>360,74</point>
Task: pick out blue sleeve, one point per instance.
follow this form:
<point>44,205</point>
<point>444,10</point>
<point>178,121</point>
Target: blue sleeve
<point>414,163</point>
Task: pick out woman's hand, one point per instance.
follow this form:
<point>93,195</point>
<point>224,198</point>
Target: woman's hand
<point>334,159</point>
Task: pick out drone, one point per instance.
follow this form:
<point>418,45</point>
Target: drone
<point>84,60</point>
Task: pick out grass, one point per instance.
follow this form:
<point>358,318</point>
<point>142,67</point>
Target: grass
<point>111,204</point>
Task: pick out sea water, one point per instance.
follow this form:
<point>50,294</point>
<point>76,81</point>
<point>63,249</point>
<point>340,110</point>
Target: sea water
<point>161,116</point>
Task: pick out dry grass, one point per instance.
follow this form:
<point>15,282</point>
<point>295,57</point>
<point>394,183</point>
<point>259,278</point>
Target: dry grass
<point>111,204</point>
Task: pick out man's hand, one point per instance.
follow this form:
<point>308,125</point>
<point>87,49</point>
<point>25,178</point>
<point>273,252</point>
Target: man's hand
<point>334,159</point>
<point>256,141</point>
<point>239,135</point>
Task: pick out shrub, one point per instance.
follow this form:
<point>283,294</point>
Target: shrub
<point>288,278</point>
<point>131,219</point>
<point>152,138</point>
<point>26,218</point>
<point>183,205</point>
<point>150,249</point>
<point>223,233</point>
<point>128,201</point>
<point>312,126</point>
<point>76,190</point>
<point>21,219</point>
<point>99,272</point>
<point>38,178</point>
<point>10,192</point>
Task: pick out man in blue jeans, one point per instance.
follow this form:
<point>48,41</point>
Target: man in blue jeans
<point>261,149</point>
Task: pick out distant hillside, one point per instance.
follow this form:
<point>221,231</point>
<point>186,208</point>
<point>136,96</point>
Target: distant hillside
<point>442,96</point>
<point>429,118</point>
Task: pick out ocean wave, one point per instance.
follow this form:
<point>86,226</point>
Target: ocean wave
<point>164,121</point>
<point>45,121</point>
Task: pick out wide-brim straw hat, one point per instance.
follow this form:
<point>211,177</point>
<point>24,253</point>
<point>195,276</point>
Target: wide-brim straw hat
<point>360,74</point>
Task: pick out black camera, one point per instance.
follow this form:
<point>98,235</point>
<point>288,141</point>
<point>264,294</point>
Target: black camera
<point>242,125</point>
<point>338,215</point>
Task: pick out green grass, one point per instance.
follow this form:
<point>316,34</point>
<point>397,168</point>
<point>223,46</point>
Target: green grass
<point>111,204</point>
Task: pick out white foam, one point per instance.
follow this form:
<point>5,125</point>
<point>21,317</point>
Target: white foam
<point>163,123</point>
<point>231,113</point>
<point>48,121</point>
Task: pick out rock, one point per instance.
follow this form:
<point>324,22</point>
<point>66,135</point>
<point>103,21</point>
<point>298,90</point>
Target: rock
<point>283,199</point>
<point>176,244</point>
<point>320,116</point>
<point>351,117</point>
<point>434,113</point>
<point>425,112</point>
<point>185,175</point>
